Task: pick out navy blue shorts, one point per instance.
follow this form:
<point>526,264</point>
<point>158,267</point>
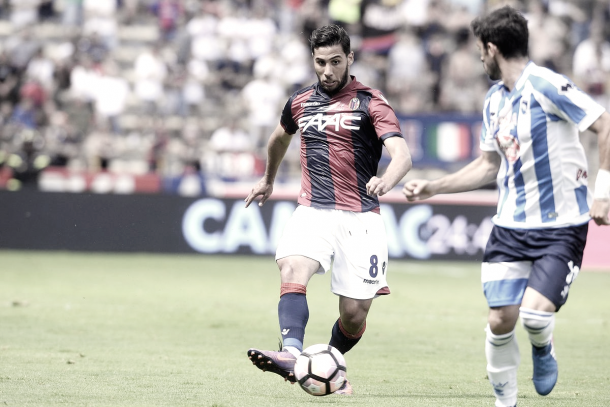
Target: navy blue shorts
<point>548,260</point>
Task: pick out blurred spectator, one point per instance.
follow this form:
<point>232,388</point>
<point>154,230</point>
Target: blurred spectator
<point>436,53</point>
<point>310,14</point>
<point>100,19</point>
<point>9,81</point>
<point>346,13</point>
<point>370,68</point>
<point>549,37</point>
<point>203,33</point>
<point>229,153</point>
<point>260,33</point>
<point>296,61</point>
<point>156,133</point>
<point>463,85</point>
<point>169,15</point>
<point>24,12</point>
<point>381,21</point>
<point>415,13</point>
<point>192,93</point>
<point>230,137</point>
<point>150,72</point>
<point>79,115</point>
<point>21,48</point>
<point>62,143</point>
<point>110,97</point>
<point>46,10</point>
<point>99,148</point>
<point>28,160</point>
<point>72,14</point>
<point>592,66</point>
<point>83,78</point>
<point>33,90</point>
<point>174,102</point>
<point>407,75</point>
<point>25,115</point>
<point>42,69</point>
<point>263,99</point>
<point>93,47</point>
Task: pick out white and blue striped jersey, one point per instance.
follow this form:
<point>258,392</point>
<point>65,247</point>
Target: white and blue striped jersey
<point>542,180</point>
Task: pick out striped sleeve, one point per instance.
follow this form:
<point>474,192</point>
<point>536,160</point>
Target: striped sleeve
<point>383,117</point>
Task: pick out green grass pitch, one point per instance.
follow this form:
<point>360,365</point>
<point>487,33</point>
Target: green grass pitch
<point>82,329</point>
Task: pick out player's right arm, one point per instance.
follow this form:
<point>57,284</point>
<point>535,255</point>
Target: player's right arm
<point>276,149</point>
<point>478,173</point>
<point>601,202</point>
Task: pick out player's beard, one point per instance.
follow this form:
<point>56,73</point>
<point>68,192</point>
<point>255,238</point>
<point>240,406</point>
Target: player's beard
<point>332,92</point>
<point>493,70</point>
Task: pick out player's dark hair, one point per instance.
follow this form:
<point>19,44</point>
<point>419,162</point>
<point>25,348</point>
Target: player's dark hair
<point>506,28</point>
<point>328,36</point>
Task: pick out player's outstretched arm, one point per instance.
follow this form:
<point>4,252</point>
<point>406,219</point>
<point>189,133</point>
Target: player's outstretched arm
<point>400,164</point>
<point>601,195</point>
<point>478,173</point>
<point>276,149</point>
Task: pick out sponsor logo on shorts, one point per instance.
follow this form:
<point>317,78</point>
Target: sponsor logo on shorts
<point>366,281</point>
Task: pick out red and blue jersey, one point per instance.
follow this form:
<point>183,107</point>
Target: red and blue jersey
<point>341,142</point>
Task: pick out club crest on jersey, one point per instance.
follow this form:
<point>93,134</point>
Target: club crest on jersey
<point>507,142</point>
<point>354,103</point>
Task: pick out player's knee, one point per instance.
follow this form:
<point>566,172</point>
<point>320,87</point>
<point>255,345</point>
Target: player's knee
<point>290,274</point>
<point>534,321</point>
<point>352,322</point>
<point>501,323</point>
<point>352,326</point>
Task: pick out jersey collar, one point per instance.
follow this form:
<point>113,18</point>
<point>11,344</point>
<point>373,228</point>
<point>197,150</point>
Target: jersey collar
<point>348,88</point>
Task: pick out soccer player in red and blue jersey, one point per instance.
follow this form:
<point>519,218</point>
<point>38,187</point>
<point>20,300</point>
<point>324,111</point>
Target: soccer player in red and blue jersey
<point>343,126</point>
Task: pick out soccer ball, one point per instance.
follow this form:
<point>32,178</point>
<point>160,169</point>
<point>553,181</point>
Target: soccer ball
<point>320,370</point>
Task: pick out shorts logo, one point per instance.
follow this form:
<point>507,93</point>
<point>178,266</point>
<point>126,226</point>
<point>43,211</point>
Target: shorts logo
<point>366,281</point>
<point>574,270</point>
<point>354,103</point>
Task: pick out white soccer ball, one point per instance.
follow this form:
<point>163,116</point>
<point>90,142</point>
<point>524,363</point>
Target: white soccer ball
<point>320,370</point>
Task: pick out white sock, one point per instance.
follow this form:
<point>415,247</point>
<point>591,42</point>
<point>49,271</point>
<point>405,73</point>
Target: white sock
<point>502,352</point>
<point>292,350</point>
<point>539,325</point>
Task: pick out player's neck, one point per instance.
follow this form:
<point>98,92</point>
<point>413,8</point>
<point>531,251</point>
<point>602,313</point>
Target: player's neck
<point>511,70</point>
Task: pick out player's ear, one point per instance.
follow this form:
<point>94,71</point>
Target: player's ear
<point>492,49</point>
<point>350,58</point>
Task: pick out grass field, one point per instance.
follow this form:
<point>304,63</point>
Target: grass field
<point>162,330</point>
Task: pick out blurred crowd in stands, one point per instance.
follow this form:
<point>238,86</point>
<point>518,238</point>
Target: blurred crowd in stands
<point>196,86</point>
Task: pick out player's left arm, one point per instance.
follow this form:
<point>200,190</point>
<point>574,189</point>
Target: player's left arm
<point>400,164</point>
<point>601,195</point>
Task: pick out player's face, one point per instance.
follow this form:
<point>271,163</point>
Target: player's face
<point>332,68</point>
<point>489,62</point>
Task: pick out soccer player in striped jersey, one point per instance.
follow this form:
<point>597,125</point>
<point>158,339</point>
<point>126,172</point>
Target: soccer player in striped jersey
<point>344,126</point>
<point>530,146</point>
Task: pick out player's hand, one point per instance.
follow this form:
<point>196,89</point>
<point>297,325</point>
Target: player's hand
<point>262,189</point>
<point>417,190</point>
<point>376,187</point>
<point>599,211</point>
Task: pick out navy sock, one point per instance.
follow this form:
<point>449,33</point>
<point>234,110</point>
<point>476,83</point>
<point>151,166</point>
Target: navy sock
<point>293,314</point>
<point>342,340</point>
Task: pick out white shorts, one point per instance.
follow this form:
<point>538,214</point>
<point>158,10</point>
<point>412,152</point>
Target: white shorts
<point>354,243</point>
